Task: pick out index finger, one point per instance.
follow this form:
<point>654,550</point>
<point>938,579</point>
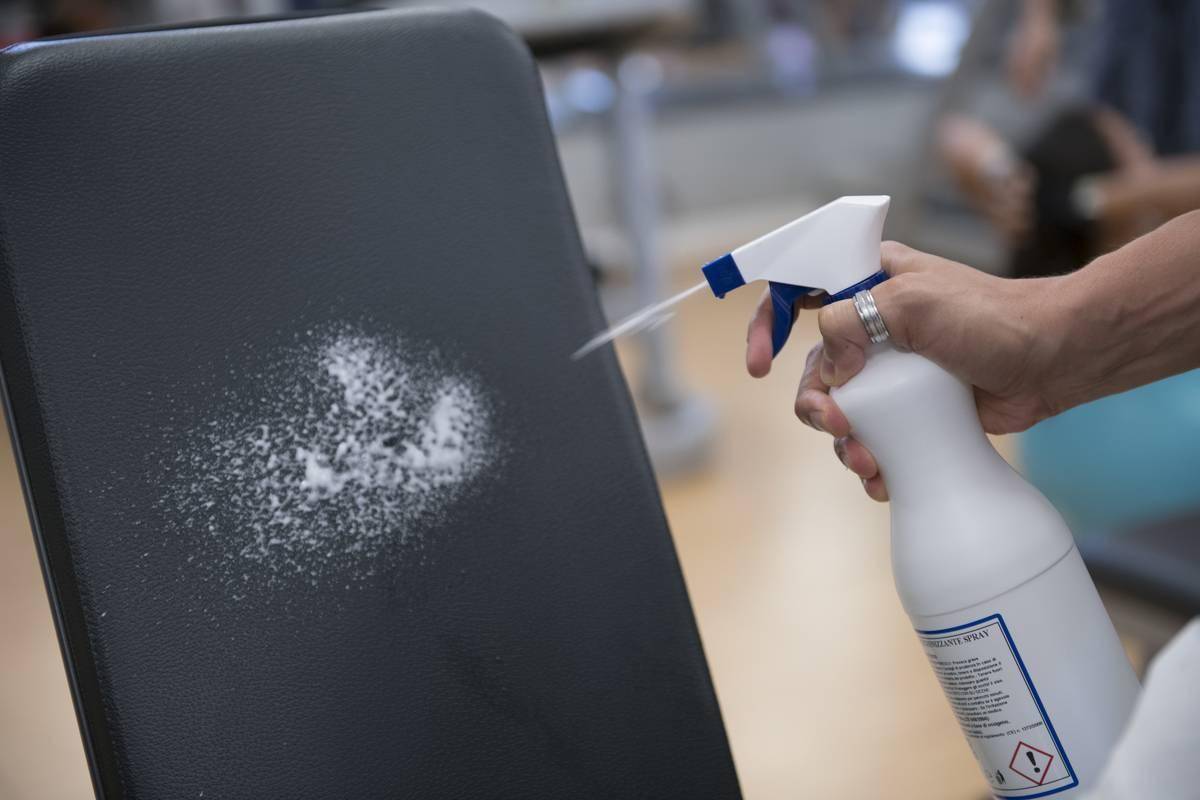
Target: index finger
<point>758,338</point>
<point>759,345</point>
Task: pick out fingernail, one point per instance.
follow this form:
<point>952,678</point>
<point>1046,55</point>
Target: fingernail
<point>817,420</point>
<point>839,449</point>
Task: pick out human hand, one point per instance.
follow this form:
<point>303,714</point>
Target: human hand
<point>992,332</point>
<point>1034,47</point>
<point>998,182</point>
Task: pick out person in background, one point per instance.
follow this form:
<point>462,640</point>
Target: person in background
<point>1147,67</point>
<point>1032,349</point>
<point>1100,174</point>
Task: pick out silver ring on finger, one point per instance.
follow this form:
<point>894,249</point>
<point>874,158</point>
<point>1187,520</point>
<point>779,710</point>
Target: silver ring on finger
<point>868,312</point>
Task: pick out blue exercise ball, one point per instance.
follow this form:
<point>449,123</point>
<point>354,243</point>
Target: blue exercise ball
<point>1121,460</point>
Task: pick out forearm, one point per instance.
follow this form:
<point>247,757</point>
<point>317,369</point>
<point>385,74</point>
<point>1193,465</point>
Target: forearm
<point>1172,188</point>
<point>1130,317</point>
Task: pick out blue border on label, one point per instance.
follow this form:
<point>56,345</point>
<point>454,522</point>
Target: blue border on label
<point>1037,699</point>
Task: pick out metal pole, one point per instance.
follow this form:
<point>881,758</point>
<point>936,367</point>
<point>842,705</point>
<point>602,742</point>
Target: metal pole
<point>678,425</point>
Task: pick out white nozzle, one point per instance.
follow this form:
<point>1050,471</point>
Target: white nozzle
<point>831,248</point>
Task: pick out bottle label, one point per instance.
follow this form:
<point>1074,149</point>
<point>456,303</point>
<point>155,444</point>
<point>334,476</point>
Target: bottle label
<point>999,709</point>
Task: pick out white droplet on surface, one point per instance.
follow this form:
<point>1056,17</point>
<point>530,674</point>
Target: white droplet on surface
<point>343,446</point>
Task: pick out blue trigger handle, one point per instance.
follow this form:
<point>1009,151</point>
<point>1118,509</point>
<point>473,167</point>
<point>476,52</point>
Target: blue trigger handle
<point>784,297</point>
<point>783,303</point>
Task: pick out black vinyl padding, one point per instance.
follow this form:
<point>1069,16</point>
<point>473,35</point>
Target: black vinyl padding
<point>177,204</point>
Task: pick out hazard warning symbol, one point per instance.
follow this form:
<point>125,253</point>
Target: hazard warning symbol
<point>1031,763</point>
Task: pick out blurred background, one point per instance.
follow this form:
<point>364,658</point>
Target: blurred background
<point>1022,137</point>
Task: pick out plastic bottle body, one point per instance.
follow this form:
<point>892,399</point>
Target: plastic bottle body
<point>988,572</point>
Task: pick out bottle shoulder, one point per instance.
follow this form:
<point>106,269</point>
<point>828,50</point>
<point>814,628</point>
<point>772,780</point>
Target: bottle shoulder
<point>965,525</point>
<point>961,549</point>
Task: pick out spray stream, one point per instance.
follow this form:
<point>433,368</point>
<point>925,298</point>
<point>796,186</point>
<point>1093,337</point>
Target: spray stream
<point>647,318</point>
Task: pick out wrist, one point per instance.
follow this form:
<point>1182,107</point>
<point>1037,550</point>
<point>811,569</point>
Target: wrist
<point>1047,328</point>
<point>1084,333</point>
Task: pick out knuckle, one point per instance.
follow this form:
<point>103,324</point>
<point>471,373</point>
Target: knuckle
<point>899,290</point>
<point>899,301</point>
<point>802,408</point>
<point>812,363</point>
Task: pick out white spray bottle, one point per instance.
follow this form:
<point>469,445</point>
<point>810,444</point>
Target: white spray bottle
<point>984,565</point>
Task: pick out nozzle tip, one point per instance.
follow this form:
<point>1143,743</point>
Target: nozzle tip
<point>723,275</point>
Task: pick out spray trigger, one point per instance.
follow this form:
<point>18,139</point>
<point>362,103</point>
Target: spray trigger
<point>784,297</point>
<point>834,249</point>
<point>783,302</point>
